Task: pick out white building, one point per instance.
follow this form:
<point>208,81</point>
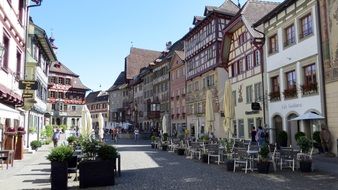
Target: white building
<point>293,67</point>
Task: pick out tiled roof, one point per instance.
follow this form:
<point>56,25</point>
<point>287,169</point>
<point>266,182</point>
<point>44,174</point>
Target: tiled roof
<point>253,10</point>
<point>228,7</point>
<point>137,59</point>
<point>98,96</point>
<point>78,84</point>
<point>58,67</point>
<point>121,79</point>
<point>197,19</point>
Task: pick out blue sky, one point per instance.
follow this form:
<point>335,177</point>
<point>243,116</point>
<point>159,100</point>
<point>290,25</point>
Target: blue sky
<point>94,37</point>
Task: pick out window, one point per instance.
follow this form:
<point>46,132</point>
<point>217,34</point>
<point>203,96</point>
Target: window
<point>234,69</point>
<point>53,107</point>
<point>310,74</point>
<point>289,35</point>
<point>306,26</point>
<point>67,81</point>
<point>73,108</point>
<point>18,64</point>
<point>291,80</point>
<point>249,62</point>
<point>258,58</point>
<point>275,84</point>
<point>234,125</point>
<point>65,107</point>
<point>249,94</point>
<point>251,123</point>
<point>61,81</point>
<point>52,94</point>
<point>6,53</point>
<point>234,98</point>
<point>60,95</point>
<point>259,121</point>
<point>242,38</point>
<point>273,44</point>
<point>241,128</point>
<point>258,91</point>
<point>53,79</point>
<point>208,81</point>
<point>241,68</point>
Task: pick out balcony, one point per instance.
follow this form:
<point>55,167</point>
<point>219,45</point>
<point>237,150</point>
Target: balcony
<point>309,89</point>
<point>290,93</point>
<point>274,96</point>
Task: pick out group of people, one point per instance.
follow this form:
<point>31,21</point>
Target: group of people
<point>259,135</point>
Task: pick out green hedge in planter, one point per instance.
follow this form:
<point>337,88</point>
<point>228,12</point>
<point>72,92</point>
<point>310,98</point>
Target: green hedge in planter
<point>60,154</point>
<point>35,144</point>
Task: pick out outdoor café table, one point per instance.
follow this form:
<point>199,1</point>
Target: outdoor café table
<point>9,156</point>
<point>251,155</point>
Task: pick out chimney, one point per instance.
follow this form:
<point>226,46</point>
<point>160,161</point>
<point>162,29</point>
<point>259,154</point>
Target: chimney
<point>168,45</point>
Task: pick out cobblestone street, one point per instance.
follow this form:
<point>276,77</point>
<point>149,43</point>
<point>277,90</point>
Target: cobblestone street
<point>146,168</point>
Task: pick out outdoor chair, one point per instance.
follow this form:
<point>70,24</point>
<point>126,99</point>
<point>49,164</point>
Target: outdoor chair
<point>213,151</point>
<point>72,166</point>
<point>174,144</point>
<point>3,158</point>
<point>241,158</point>
<point>287,158</point>
<point>195,149</point>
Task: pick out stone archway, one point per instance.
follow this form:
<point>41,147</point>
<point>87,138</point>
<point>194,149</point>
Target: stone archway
<point>292,129</point>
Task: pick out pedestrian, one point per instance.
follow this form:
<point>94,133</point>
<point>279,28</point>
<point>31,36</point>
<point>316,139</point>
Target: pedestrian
<point>260,136</point>
<point>56,137</point>
<point>136,133</point>
<point>253,134</point>
<point>325,137</point>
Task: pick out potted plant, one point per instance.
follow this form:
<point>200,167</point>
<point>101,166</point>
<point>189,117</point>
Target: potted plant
<point>165,142</point>
<point>71,140</point>
<point>153,139</point>
<point>299,134</point>
<point>99,172</point>
<point>305,161</point>
<point>282,138</point>
<point>35,145</point>
<point>59,157</point>
<point>317,141</point>
<point>181,149</point>
<point>263,164</point>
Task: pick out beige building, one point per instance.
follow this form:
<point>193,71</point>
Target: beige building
<point>242,55</point>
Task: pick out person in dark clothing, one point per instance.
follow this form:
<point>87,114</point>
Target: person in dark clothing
<point>253,134</point>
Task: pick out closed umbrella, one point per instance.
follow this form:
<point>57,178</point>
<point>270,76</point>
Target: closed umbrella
<point>101,122</point>
<point>209,112</point>
<point>89,122</point>
<point>83,121</point>
<point>228,109</point>
<point>164,124</point>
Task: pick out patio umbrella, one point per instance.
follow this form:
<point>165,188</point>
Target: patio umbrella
<point>308,116</point>
<point>228,109</point>
<point>89,122</point>
<point>83,121</point>
<point>209,112</point>
<point>164,124</point>
<point>101,122</point>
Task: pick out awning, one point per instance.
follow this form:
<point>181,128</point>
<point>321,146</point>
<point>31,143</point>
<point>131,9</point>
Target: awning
<point>8,112</point>
<point>308,116</point>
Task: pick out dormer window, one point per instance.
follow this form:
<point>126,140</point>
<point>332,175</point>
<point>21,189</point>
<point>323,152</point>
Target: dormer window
<point>67,81</point>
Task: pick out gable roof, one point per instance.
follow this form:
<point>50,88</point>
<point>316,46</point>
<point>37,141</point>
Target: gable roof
<point>58,67</point>
<point>228,7</point>
<point>97,96</point>
<point>137,59</point>
<point>78,84</point>
<point>180,54</point>
<point>121,79</point>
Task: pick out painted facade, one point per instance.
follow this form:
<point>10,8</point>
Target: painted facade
<point>328,10</point>
<point>97,102</point>
<point>12,34</point>
<point>178,92</point>
<point>293,68</point>
<point>204,66</point>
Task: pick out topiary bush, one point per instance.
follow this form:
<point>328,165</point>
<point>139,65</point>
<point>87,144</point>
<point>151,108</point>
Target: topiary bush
<point>282,138</point>
<point>106,152</point>
<point>60,154</point>
<point>35,144</point>
<point>299,134</point>
<point>304,143</point>
<point>71,139</point>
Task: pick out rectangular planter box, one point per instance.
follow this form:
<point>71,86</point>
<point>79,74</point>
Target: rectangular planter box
<point>95,173</point>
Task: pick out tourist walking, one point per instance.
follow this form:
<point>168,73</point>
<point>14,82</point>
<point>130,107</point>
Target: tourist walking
<point>260,136</point>
<point>253,134</point>
<point>56,137</point>
<point>136,133</point>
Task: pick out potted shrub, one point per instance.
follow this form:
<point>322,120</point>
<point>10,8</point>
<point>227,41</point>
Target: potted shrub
<point>99,172</point>
<point>282,139</point>
<point>153,139</point>
<point>165,142</point>
<point>299,134</point>
<point>35,144</point>
<point>263,164</point>
<point>305,161</point>
<point>71,140</point>
<point>59,157</point>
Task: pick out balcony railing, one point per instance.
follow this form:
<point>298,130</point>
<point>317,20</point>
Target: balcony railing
<point>308,89</point>
<point>290,92</point>
<point>274,96</point>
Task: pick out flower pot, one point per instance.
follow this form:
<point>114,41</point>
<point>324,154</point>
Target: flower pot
<point>205,158</point>
<point>95,173</point>
<point>305,166</point>
<point>230,165</point>
<point>263,167</point>
<point>180,151</point>
<point>59,175</point>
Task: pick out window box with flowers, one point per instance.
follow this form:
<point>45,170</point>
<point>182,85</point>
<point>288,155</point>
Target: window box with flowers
<point>290,93</point>
<point>310,88</point>
<point>274,96</point>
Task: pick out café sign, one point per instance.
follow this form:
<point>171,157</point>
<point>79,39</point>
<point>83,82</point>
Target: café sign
<point>28,84</point>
